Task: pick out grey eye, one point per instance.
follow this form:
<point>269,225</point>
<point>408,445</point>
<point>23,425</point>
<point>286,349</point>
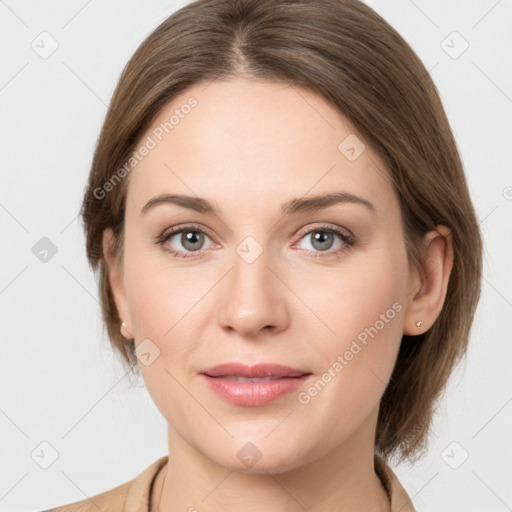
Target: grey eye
<point>192,240</point>
<point>322,240</point>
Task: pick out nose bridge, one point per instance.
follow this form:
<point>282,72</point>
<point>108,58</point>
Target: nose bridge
<point>253,298</point>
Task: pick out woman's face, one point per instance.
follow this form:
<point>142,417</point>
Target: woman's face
<point>265,278</point>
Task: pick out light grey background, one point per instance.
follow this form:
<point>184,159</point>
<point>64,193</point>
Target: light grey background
<point>59,382</point>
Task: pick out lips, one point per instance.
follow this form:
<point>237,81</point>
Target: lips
<point>253,386</point>
<point>259,371</point>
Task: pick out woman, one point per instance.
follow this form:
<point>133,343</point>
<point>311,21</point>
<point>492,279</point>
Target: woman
<point>287,251</point>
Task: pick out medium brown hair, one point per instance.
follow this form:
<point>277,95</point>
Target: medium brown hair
<point>347,53</point>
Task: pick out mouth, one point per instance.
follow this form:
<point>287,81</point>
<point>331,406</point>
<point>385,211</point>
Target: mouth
<point>253,386</point>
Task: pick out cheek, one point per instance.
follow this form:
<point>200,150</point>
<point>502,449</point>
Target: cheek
<point>162,310</point>
<point>160,297</point>
<point>367,317</point>
<point>372,305</point>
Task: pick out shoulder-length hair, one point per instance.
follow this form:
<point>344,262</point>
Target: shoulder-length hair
<point>353,58</point>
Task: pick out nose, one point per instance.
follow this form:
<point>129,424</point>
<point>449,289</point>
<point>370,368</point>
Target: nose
<point>253,297</point>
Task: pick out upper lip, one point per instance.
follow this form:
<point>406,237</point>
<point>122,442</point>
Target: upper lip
<point>258,370</point>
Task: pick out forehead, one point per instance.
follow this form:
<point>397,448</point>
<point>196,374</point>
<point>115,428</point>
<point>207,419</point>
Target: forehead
<point>240,139</point>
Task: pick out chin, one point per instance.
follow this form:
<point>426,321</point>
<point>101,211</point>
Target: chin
<point>257,456</point>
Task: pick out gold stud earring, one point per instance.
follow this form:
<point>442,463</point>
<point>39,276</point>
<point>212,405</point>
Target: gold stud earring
<point>418,324</point>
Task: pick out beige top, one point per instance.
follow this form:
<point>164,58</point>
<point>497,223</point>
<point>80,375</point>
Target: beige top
<point>133,496</point>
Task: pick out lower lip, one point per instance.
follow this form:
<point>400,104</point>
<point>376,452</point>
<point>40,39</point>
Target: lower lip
<point>254,394</point>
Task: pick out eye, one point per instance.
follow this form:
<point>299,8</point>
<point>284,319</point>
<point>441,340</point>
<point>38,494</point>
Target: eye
<point>180,241</point>
<point>326,239</point>
<point>183,242</point>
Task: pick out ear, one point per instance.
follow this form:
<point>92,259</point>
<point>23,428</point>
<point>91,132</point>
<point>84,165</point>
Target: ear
<point>428,284</point>
<point>115,277</point>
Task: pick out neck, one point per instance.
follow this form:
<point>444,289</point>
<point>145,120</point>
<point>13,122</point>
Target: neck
<point>341,480</point>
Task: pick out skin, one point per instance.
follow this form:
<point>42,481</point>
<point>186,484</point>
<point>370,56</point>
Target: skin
<point>250,146</point>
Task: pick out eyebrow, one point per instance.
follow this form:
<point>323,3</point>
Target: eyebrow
<point>296,205</point>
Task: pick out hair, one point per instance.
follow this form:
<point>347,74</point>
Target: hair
<point>349,55</point>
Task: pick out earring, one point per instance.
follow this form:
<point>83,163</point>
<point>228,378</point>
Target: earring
<point>418,324</point>
<point>123,326</point>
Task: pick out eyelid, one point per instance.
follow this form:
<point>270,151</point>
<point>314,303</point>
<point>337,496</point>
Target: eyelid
<point>182,227</point>
<point>327,227</point>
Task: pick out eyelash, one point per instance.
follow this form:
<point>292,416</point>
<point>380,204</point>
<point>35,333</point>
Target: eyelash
<point>349,240</point>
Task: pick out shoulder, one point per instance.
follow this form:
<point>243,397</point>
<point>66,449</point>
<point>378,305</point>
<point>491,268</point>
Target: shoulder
<point>108,501</point>
<point>132,496</point>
